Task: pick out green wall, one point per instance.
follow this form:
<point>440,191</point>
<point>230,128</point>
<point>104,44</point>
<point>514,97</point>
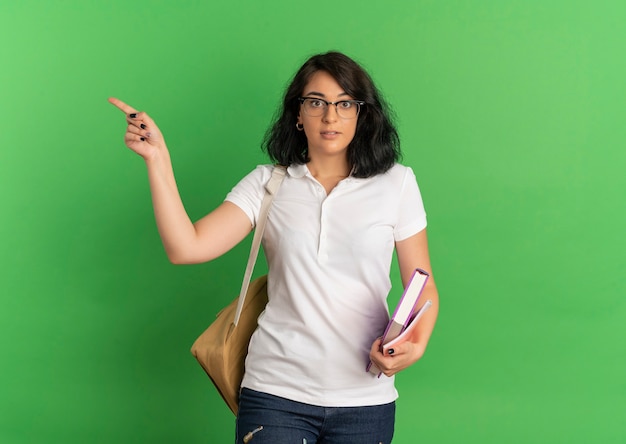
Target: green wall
<point>511,112</point>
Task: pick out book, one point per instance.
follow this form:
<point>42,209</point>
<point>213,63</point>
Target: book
<point>407,331</point>
<point>405,316</point>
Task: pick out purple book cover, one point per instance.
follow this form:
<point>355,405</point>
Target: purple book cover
<point>404,310</point>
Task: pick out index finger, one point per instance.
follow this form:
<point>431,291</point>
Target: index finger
<point>126,109</point>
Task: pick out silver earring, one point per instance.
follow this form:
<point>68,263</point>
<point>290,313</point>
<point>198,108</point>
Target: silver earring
<point>299,126</point>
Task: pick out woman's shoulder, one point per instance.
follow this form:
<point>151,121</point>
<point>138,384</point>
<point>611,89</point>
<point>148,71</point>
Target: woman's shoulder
<point>400,172</point>
<point>263,169</point>
<point>261,173</point>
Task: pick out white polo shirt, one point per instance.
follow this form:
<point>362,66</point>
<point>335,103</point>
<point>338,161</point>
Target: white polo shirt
<point>329,259</point>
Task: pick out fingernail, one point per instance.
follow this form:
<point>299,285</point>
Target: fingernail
<point>148,134</point>
<point>133,115</point>
<point>143,139</point>
<point>143,126</point>
<point>391,351</point>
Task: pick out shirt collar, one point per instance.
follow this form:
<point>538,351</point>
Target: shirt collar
<point>298,171</point>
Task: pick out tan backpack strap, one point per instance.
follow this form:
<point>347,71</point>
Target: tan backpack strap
<point>271,188</point>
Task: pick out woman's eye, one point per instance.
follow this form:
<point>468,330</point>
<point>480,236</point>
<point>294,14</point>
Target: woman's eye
<point>345,105</point>
<point>316,103</point>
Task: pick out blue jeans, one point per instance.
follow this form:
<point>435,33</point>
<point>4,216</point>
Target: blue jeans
<point>274,420</point>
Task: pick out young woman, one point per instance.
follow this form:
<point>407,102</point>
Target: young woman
<point>343,208</point>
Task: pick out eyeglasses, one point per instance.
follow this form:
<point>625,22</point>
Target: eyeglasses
<point>315,107</point>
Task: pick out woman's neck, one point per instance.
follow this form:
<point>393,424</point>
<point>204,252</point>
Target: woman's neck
<point>329,168</point>
<point>329,172</point>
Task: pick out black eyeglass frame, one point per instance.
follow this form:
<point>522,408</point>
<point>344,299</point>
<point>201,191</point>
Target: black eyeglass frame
<point>359,104</point>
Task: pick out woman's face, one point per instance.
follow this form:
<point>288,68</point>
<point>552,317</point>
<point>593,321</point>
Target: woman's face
<point>328,134</point>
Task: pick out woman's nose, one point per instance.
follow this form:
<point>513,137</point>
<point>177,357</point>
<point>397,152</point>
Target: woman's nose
<point>330,113</point>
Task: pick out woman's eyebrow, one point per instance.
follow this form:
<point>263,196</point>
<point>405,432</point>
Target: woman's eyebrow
<point>319,94</point>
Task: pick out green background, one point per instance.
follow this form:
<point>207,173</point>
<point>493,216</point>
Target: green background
<point>512,114</point>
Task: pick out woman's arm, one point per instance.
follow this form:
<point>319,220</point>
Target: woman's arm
<point>412,253</point>
<point>184,241</point>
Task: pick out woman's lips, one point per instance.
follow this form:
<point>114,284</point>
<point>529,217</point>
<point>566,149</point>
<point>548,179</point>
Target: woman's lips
<point>330,134</point>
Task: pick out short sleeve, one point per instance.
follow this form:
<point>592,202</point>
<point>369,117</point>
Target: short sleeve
<point>411,213</point>
<point>249,192</point>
